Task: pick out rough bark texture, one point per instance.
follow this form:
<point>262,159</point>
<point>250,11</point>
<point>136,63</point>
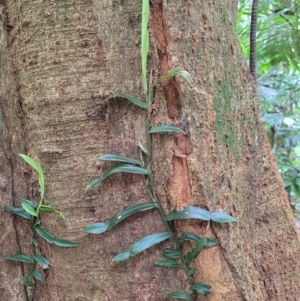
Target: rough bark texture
<point>59,61</point>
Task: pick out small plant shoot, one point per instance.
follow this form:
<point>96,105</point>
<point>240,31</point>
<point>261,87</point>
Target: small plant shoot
<point>173,258</point>
<point>30,211</point>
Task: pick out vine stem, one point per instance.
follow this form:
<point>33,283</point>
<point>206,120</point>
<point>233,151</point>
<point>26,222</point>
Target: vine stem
<point>149,186</point>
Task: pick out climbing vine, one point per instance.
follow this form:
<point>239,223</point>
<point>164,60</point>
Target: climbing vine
<point>174,258</point>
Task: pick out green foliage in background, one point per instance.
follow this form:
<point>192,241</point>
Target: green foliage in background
<point>278,80</point>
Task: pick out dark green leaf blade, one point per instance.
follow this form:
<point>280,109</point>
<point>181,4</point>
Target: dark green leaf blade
<point>36,275</point>
<point>45,208</point>
<point>121,256</point>
<point>147,242</point>
<point>96,228</point>
<point>116,169</point>
<point>117,158</point>
<point>167,263</point>
<point>202,288</point>
<point>44,234</point>
<point>20,258</point>
<point>99,228</point>
<point>189,212</point>
<point>221,217</point>
<point>180,295</point>
<point>29,209</point>
<point>192,255</point>
<point>171,254</point>
<point>189,236</point>
<point>28,202</point>
<point>165,128</point>
<point>134,100</point>
<point>186,75</point>
<point>18,211</point>
<point>43,262</point>
<point>26,281</point>
<point>125,213</point>
<point>64,243</point>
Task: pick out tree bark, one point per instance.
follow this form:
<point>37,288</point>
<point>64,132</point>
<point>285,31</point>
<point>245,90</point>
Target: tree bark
<point>59,62</point>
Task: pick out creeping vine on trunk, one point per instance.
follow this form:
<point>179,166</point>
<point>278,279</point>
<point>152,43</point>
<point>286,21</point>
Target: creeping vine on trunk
<point>174,258</point>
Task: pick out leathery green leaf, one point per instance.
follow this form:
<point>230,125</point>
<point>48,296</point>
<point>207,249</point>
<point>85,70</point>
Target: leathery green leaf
<point>192,255</point>
<point>143,148</point>
<point>28,202</point>
<point>202,288</point>
<point>148,242</point>
<point>171,254</point>
<point>20,258</point>
<point>37,275</point>
<point>189,236</point>
<point>189,212</point>
<point>113,157</point>
<point>45,208</point>
<point>43,262</point>
<point>29,209</point>
<point>186,75</point>
<point>180,295</point>
<point>165,129</point>
<point>18,211</point>
<point>36,165</point>
<point>135,101</point>
<point>121,256</point>
<point>221,217</point>
<point>44,234</point>
<point>167,263</point>
<point>64,243</point>
<point>26,281</point>
<point>99,228</point>
<point>116,169</point>
<point>96,228</point>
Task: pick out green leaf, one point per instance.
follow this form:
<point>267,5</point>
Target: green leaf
<point>26,281</point>
<point>43,262</point>
<point>45,208</point>
<point>121,256</point>
<point>189,212</point>
<point>18,211</point>
<point>44,234</point>
<point>171,254</point>
<point>143,148</point>
<point>167,263</point>
<point>28,202</point>
<point>148,242</point>
<point>29,209</point>
<point>202,288</point>
<point>20,258</point>
<point>99,228</point>
<point>64,243</point>
<point>35,165</point>
<point>112,157</point>
<point>210,242</point>
<point>190,272</point>
<point>189,236</point>
<point>116,169</point>
<point>165,129</point>
<point>220,217</point>
<point>35,242</point>
<point>180,295</point>
<point>135,101</point>
<point>96,228</point>
<point>191,256</point>
<point>37,275</point>
<point>186,75</point>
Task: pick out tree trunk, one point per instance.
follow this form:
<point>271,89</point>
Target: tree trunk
<point>60,60</point>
